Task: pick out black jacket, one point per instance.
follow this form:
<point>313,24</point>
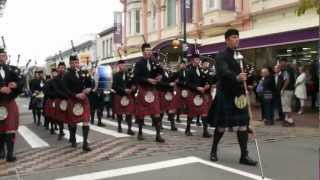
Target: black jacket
<point>227,71</point>
<point>141,72</point>
<point>75,84</point>
<point>12,74</point>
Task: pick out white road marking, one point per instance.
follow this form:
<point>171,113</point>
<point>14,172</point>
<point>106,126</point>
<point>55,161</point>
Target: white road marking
<point>157,166</point>
<point>107,131</point>
<point>168,127</point>
<point>145,131</point>
<point>193,125</point>
<point>79,138</point>
<point>32,139</point>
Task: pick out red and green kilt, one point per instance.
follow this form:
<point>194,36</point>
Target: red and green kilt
<point>11,123</point>
<point>181,101</point>
<point>84,117</point>
<point>167,105</point>
<point>49,110</point>
<point>60,115</point>
<point>120,109</point>
<point>144,108</point>
<point>194,110</point>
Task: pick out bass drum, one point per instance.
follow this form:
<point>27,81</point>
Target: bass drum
<point>103,77</point>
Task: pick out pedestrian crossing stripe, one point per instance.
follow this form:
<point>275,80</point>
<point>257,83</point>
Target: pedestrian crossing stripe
<point>113,173</point>
<point>107,131</point>
<point>145,131</point>
<point>169,128</point>
<point>32,139</point>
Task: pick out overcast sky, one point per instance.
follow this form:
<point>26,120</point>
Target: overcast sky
<point>39,28</point>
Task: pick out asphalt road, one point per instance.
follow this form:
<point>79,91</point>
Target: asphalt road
<point>287,154</point>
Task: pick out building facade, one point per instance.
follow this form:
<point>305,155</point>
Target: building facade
<point>106,46</point>
<point>269,29</point>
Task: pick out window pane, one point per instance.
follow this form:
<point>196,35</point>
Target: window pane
<point>211,4</point>
<point>111,50</point>
<point>171,12</point>
<point>137,21</point>
<point>103,48</point>
<point>129,23</point>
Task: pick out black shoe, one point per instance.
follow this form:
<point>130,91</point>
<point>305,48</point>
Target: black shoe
<point>130,132</point>
<point>86,148</point>
<point>206,134</point>
<point>51,131</point>
<point>101,125</point>
<point>60,136</point>
<point>140,137</point>
<point>246,160</point>
<point>160,139</point>
<point>178,120</point>
<point>11,158</point>
<point>173,128</point>
<point>119,130</point>
<point>192,122</point>
<point>213,157</point>
<point>74,144</point>
<point>2,154</point>
<point>188,133</point>
<point>198,124</point>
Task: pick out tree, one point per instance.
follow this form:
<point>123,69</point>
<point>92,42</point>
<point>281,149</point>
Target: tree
<point>304,5</point>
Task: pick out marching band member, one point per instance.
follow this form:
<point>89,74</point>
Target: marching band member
<point>168,98</point>
<point>197,104</point>
<point>229,108</point>
<point>60,103</point>
<point>123,97</point>
<point>182,90</point>
<point>147,74</point>
<point>79,86</point>
<point>36,102</point>
<point>11,84</point>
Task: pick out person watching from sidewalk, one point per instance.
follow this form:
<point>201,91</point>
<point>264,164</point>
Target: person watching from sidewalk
<point>300,88</point>
<point>287,73</point>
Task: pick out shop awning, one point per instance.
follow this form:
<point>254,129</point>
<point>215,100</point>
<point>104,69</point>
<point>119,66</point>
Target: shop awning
<point>289,37</point>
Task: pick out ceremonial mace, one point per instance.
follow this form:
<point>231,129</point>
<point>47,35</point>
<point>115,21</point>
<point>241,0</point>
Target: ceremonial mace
<point>238,56</point>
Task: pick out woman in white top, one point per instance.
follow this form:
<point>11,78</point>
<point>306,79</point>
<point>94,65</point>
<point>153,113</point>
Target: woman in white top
<point>300,88</point>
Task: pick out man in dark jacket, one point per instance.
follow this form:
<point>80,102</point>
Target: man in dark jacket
<point>229,108</point>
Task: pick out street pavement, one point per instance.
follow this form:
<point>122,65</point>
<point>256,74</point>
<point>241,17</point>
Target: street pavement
<point>287,154</point>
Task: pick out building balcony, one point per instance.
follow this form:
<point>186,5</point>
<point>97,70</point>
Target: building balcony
<point>261,6</point>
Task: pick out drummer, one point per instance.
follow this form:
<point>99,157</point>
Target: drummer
<point>79,86</point>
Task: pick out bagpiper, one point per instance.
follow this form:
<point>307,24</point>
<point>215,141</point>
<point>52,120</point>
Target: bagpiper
<point>36,102</point>
<point>229,108</point>
<point>197,102</point>
<point>79,86</point>
<point>147,74</point>
<point>123,97</point>
<point>61,95</point>
<point>49,109</point>
<point>11,84</point>
<point>182,90</point>
<point>167,95</point>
